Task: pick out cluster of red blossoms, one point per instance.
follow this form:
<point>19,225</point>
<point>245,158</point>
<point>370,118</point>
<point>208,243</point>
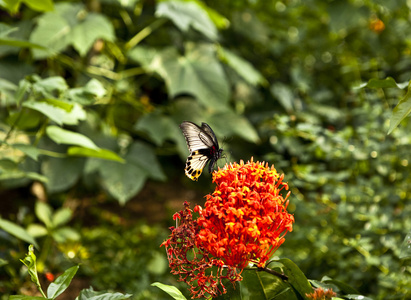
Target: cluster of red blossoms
<point>244,221</point>
<point>321,294</point>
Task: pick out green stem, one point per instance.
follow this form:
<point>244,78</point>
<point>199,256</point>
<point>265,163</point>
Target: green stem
<point>145,32</point>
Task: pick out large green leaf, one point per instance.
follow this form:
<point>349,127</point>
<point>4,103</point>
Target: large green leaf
<point>53,33</point>
<point>61,283</point>
<point>401,111</point>
<point>388,82</point>
<point>61,173</point>
<point>262,285</point>
<point>58,111</point>
<point>94,26</point>
<point>171,290</point>
<point>17,231</point>
<point>296,277</point>
<point>24,119</point>
<point>159,127</point>
<point>187,14</point>
<point>63,136</point>
<point>198,73</point>
<point>144,156</point>
<point>227,123</point>
<point>241,66</point>
<point>50,84</point>
<point>122,181</point>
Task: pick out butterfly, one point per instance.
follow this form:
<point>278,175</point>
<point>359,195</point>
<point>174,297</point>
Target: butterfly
<point>203,146</point>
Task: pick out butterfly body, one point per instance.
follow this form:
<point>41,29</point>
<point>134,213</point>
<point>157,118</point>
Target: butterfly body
<point>203,146</point>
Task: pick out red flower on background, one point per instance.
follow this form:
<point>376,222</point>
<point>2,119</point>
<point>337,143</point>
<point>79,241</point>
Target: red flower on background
<point>244,221</point>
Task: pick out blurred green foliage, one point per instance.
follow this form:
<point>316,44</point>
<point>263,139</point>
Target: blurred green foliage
<point>91,95</point>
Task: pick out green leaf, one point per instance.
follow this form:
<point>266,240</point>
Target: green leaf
<point>62,136</point>
<point>11,170</point>
<point>171,290</point>
<point>227,123</point>
<point>61,217</point>
<point>122,181</point>
<point>401,111</point>
<point>61,283</point>
<point>57,111</point>
<point>53,33</point>
<point>17,231</point>
<point>55,83</point>
<point>95,26</point>
<point>198,73</point>
<point>159,127</point>
<point>219,20</point>
<point>59,180</point>
<point>37,230</point>
<point>29,150</point>
<point>101,153</point>
<point>296,277</point>
<point>242,67</point>
<point>388,82</point>
<point>143,155</point>
<point>25,119</point>
<point>285,96</point>
<point>326,282</point>
<point>64,234</point>
<point>3,262</point>
<point>44,212</point>
<point>262,285</point>
<point>406,247</point>
<point>38,5</point>
<point>90,294</point>
<point>95,88</point>
<point>186,14</point>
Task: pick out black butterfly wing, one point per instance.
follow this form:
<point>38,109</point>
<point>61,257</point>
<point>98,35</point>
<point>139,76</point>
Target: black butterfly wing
<point>196,137</point>
<point>203,146</point>
<point>210,133</point>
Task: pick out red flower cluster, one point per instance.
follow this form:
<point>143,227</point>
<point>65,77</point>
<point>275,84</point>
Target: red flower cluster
<point>193,265</point>
<point>244,221</point>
